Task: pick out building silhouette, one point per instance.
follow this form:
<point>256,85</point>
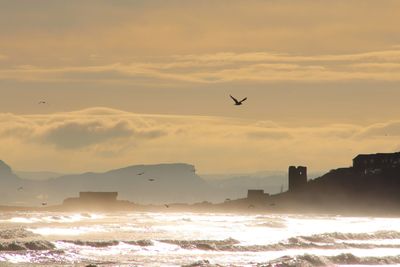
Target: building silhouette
<point>374,163</point>
<point>90,198</point>
<point>297,177</point>
<point>256,195</point>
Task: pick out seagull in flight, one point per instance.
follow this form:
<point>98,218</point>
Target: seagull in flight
<point>140,173</point>
<point>42,102</point>
<point>151,180</point>
<point>237,102</point>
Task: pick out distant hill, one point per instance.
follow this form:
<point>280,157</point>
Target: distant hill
<point>159,183</point>
<point>9,183</point>
<point>142,183</point>
<point>45,175</point>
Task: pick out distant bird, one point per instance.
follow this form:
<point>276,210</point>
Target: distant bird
<point>44,203</point>
<point>251,206</point>
<point>140,173</point>
<point>42,102</point>
<point>227,199</point>
<point>166,205</point>
<point>20,188</point>
<point>237,102</point>
<point>151,180</point>
<point>272,204</point>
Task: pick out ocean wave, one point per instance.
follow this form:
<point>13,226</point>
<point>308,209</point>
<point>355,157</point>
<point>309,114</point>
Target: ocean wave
<point>200,263</point>
<point>55,218</point>
<point>228,245</point>
<point>308,260</point>
<point>233,245</point>
<point>332,237</point>
<point>203,244</point>
<point>16,233</point>
<point>108,243</point>
<point>142,243</point>
<point>96,244</point>
<point>272,224</point>
<point>28,245</point>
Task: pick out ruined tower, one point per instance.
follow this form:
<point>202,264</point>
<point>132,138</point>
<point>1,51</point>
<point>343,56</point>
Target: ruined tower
<point>297,177</point>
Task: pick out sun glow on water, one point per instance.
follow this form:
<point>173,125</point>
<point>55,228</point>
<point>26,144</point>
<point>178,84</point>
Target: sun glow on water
<point>182,238</point>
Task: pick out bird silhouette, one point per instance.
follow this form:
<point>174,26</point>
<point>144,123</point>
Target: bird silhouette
<point>151,180</point>
<point>42,102</point>
<point>166,205</point>
<point>140,173</point>
<point>44,203</point>
<point>20,188</point>
<point>237,102</point>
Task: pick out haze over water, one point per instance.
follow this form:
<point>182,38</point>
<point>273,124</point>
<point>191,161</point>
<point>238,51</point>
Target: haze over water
<point>99,89</point>
<point>178,239</point>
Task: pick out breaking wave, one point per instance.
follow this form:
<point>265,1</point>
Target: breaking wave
<point>16,233</point>
<point>101,244</point>
<point>157,239</point>
<point>60,218</point>
<point>203,244</point>
<point>27,245</point>
<point>320,241</point>
<point>331,237</point>
<point>272,224</point>
<point>308,260</point>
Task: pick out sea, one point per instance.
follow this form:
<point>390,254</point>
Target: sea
<point>196,239</point>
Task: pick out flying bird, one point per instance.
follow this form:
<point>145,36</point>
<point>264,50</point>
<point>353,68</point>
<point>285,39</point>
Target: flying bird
<point>42,102</point>
<point>44,203</point>
<point>166,205</point>
<point>20,188</point>
<point>237,102</point>
<point>140,173</point>
<point>151,180</point>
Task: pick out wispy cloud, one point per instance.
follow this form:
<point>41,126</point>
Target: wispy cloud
<point>226,67</point>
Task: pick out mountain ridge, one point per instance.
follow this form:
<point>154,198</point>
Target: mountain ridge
<point>152,183</point>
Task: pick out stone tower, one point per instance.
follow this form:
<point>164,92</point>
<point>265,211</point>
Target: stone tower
<point>297,177</point>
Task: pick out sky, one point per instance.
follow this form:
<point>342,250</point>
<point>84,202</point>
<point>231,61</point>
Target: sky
<point>145,82</point>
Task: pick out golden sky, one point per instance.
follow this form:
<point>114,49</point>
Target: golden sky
<point>129,82</point>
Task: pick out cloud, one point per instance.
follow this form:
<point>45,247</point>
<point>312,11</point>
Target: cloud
<point>106,138</point>
<point>45,30</point>
<point>389,129</point>
<point>268,134</point>
<point>79,134</point>
<point>76,130</point>
<point>225,67</point>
